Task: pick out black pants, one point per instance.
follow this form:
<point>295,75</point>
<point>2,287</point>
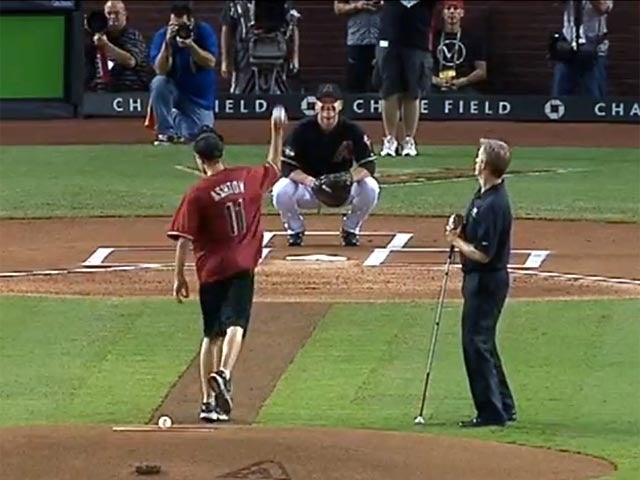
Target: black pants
<point>484,296</point>
<point>360,68</point>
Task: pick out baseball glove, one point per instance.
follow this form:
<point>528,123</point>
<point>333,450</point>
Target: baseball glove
<point>333,189</point>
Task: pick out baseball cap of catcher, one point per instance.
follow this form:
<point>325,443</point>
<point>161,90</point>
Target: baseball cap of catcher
<point>329,91</point>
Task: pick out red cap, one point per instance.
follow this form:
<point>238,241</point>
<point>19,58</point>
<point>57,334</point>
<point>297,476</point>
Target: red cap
<point>455,3</point>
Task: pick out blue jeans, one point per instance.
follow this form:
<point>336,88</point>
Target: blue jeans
<point>176,114</point>
<point>574,78</point>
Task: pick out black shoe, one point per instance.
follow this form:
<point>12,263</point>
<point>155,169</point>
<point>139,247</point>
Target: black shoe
<point>479,422</point>
<point>208,413</point>
<point>350,239</point>
<point>295,239</point>
<point>221,387</point>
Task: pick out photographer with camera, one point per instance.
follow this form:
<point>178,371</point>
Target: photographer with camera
<point>182,94</point>
<point>116,56</point>
<point>580,51</point>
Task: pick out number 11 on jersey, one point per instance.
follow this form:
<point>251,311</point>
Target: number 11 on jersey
<point>236,217</point>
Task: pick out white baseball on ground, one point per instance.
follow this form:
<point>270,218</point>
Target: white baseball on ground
<point>165,421</point>
<point>279,114</point>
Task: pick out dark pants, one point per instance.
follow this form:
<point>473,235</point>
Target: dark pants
<point>580,79</point>
<point>227,303</point>
<point>360,68</point>
<point>484,296</point>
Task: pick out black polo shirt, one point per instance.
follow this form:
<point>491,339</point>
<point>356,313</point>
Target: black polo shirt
<point>316,152</point>
<point>407,23</point>
<point>487,226</point>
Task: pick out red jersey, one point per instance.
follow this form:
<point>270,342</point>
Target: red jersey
<point>221,216</point>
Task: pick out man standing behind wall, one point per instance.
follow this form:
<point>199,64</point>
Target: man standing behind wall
<point>404,64</point>
<point>585,27</point>
<point>184,55</point>
<point>363,30</point>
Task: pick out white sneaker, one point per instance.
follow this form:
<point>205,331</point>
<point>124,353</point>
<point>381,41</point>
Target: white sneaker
<point>389,145</point>
<point>409,147</point>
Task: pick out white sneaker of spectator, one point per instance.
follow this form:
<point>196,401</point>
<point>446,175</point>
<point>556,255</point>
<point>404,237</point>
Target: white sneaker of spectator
<point>409,147</point>
<point>389,146</point>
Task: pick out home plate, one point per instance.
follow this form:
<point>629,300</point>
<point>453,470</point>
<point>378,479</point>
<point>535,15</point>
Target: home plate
<point>317,258</point>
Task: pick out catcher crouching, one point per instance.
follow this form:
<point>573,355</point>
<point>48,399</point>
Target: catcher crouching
<point>327,160</point>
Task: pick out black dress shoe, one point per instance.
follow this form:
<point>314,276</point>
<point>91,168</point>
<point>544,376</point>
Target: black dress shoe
<point>349,239</point>
<point>480,422</point>
<point>295,239</point>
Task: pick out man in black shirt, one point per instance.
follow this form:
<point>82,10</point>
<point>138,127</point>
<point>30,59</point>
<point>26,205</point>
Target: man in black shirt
<point>323,144</point>
<point>403,64</point>
<point>117,59</point>
<point>459,59</point>
<point>484,241</point>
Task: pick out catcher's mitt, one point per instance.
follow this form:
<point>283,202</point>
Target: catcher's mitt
<point>333,189</point>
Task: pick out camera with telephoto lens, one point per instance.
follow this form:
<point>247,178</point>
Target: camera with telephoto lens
<point>97,22</point>
<point>184,31</point>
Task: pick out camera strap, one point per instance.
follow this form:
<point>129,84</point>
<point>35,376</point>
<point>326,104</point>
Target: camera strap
<point>102,64</point>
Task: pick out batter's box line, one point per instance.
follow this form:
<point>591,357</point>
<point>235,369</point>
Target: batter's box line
<point>575,276</point>
<point>98,258</point>
<point>379,255</point>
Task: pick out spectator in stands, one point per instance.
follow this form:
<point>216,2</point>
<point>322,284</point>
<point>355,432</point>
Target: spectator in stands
<point>240,20</point>
<point>182,94</point>
<point>583,67</point>
<point>404,64</point>
<point>459,57</point>
<point>363,29</point>
<point>116,58</point>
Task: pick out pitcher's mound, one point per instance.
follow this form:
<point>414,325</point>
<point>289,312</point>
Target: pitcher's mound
<point>257,453</point>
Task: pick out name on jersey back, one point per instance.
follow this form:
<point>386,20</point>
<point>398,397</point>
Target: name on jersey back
<point>226,189</point>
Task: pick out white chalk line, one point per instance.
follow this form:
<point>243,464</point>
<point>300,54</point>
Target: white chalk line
<point>65,271</point>
<point>96,261</point>
<point>162,267</point>
<point>463,179</point>
<point>518,270</point>
<point>575,276</point>
<point>379,255</point>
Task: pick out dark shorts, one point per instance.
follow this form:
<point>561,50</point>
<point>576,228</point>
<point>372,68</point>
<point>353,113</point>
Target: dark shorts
<point>226,303</point>
<point>403,70</point>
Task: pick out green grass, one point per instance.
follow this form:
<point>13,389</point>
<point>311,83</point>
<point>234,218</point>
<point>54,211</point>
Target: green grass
<point>128,180</point>
<point>574,368</point>
<point>91,360</point>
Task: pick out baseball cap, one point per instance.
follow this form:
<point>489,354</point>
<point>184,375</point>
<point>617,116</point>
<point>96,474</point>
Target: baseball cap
<point>329,91</point>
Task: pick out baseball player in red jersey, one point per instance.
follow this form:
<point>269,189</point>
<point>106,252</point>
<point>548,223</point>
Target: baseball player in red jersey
<point>220,217</point>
